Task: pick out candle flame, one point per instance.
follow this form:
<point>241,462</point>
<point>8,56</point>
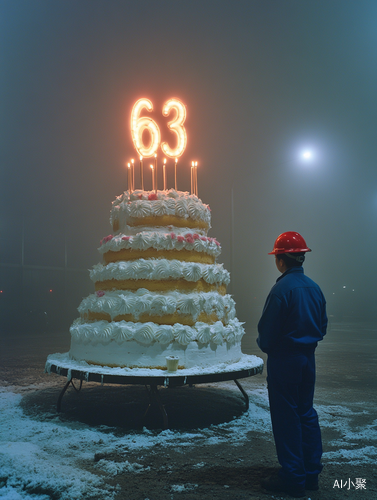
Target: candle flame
<point>129,165</point>
<point>165,160</point>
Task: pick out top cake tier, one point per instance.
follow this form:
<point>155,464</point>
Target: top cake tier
<point>140,210</point>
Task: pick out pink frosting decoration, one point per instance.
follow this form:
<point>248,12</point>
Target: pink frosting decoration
<point>106,239</point>
<point>189,238</point>
<point>195,236</point>
<point>140,196</point>
<point>100,293</point>
<point>126,238</point>
<point>152,196</point>
<point>172,236</point>
<point>180,238</point>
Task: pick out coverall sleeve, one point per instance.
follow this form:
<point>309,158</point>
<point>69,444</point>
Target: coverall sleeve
<point>269,326</point>
<point>324,318</point>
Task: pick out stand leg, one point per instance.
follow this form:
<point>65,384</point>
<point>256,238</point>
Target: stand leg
<point>155,398</point>
<point>59,404</point>
<point>244,394</point>
<point>73,385</point>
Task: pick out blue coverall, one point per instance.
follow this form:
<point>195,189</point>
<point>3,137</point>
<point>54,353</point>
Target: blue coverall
<point>293,321</point>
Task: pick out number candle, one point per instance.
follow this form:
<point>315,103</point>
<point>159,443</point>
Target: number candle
<point>164,173</point>
<point>175,174</point>
<point>141,173</point>
<point>141,123</point>
<point>175,126</point>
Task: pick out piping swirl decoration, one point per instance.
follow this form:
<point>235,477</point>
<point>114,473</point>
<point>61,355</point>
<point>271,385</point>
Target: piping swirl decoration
<point>139,204</point>
<point>148,333</point>
<point>161,241</point>
<point>119,302</point>
<point>160,269</point>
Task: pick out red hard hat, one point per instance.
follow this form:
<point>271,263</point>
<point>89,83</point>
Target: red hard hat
<point>289,242</point>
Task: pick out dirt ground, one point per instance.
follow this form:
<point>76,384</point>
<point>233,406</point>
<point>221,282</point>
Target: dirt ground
<point>347,376</point>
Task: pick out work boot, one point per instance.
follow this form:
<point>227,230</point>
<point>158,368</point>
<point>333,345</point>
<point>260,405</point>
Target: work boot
<point>277,484</point>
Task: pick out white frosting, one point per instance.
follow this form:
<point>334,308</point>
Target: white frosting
<point>135,355</point>
<point>160,240</point>
<point>137,344</point>
<point>140,204</point>
<point>160,269</point>
<point>119,302</point>
<point>148,333</point>
<point>147,344</point>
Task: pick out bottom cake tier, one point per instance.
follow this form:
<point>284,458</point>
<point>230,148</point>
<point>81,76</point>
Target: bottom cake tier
<point>146,345</point>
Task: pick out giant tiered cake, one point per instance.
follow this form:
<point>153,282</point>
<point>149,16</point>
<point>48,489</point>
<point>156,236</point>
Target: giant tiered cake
<point>159,291</point>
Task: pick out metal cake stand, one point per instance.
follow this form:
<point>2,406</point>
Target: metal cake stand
<point>151,382</point>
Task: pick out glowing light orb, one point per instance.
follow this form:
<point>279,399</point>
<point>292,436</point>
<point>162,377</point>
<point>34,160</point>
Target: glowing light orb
<point>307,154</point>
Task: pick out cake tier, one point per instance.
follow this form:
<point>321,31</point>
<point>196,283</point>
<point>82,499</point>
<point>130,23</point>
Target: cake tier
<point>147,344</point>
<point>161,209</point>
<point>162,308</point>
<point>160,270</point>
<point>160,286</point>
<point>189,247</point>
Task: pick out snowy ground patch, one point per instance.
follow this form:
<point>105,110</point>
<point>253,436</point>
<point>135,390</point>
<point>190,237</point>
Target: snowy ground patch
<point>348,445</point>
<point>42,459</point>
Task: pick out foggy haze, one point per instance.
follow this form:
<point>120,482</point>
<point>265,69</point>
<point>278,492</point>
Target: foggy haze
<point>262,81</point>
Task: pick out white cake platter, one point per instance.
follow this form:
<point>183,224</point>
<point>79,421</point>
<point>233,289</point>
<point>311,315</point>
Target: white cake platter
<point>62,364</point>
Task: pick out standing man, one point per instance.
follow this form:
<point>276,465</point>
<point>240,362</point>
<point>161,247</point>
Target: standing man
<point>293,321</point>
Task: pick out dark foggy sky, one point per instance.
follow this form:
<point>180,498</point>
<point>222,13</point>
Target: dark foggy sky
<point>261,80</point>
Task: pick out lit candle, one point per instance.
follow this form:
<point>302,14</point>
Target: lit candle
<point>175,174</point>
<point>133,175</point>
<point>141,173</point>
<point>129,178</point>
<point>155,173</point>
<point>192,177</point>
<point>196,178</point>
<point>152,177</point>
<point>164,173</point>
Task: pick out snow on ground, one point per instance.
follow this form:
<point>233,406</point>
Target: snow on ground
<point>45,458</point>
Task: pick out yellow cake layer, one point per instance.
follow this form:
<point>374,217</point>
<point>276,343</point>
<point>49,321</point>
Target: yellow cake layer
<point>160,285</point>
<point>152,253</point>
<point>166,319</point>
<point>163,220</point>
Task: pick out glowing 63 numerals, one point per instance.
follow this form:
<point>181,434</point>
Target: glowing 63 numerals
<point>141,123</point>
